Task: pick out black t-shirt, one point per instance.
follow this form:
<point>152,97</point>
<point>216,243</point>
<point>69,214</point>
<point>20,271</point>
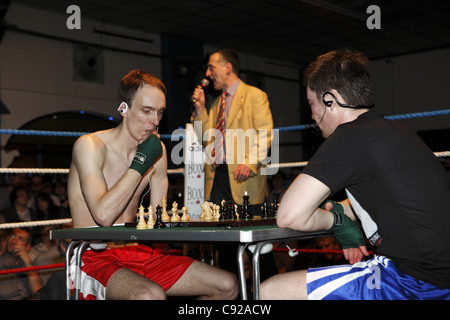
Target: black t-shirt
<point>398,189</point>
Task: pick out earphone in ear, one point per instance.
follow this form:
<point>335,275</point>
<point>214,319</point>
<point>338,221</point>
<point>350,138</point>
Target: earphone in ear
<point>329,103</point>
<point>123,107</point>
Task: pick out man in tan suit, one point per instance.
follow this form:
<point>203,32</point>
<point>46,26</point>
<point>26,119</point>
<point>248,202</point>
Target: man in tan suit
<point>248,122</point>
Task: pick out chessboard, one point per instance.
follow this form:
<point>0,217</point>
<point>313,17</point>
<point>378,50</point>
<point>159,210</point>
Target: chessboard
<point>218,223</point>
<point>227,215</point>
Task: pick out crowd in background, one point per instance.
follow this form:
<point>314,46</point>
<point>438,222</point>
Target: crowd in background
<point>27,198</point>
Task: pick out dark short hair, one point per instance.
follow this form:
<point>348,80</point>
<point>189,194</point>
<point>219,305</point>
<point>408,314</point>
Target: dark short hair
<point>344,70</point>
<point>229,55</point>
<point>26,229</point>
<point>13,194</point>
<point>134,80</point>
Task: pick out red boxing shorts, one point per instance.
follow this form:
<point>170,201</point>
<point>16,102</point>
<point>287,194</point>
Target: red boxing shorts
<point>99,265</point>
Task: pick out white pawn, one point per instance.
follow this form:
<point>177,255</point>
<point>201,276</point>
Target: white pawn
<point>141,224</point>
<point>185,217</point>
<point>151,220</point>
<point>216,210</point>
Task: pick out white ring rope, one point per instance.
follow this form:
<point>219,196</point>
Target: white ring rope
<point>60,171</point>
<point>441,154</point>
<point>25,224</point>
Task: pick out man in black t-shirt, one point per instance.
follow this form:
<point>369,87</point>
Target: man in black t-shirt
<point>396,188</point>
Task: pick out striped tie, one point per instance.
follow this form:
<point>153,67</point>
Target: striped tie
<point>218,152</point>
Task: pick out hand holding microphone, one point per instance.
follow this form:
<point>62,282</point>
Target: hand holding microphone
<point>198,97</point>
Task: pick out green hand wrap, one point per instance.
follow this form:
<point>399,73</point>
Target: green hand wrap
<point>146,154</point>
<point>345,229</point>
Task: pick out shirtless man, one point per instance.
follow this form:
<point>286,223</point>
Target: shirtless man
<point>110,169</point>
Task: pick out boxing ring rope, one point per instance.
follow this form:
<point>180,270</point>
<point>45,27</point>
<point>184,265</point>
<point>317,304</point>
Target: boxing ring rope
<point>35,268</point>
<point>169,171</point>
<point>62,265</point>
<point>312,251</point>
<point>60,170</point>
<point>168,136</point>
<point>29,224</point>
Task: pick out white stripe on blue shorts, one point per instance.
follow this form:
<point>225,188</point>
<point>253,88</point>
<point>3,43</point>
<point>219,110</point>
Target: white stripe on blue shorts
<point>375,279</point>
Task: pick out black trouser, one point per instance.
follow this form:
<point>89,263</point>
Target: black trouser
<point>221,190</point>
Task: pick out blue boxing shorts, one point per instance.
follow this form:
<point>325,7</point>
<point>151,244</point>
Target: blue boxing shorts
<point>375,279</point>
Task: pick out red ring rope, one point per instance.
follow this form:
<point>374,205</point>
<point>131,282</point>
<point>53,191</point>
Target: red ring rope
<point>30,269</point>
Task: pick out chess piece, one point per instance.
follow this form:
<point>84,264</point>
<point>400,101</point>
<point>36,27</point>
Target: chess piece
<point>164,215</point>
<point>185,217</point>
<point>175,217</point>
<point>265,210</point>
<point>158,223</point>
<point>151,219</point>
<point>230,210</point>
<point>274,205</point>
<point>202,213</point>
<point>208,212</point>
<point>223,210</point>
<point>246,212</point>
<point>216,212</point>
<point>141,223</point>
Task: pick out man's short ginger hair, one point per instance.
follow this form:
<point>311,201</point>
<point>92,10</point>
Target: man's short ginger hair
<point>135,80</point>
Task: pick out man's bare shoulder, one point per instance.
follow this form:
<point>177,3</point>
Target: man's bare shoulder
<point>91,144</point>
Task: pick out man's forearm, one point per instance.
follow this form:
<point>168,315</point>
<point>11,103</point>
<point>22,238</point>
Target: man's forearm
<point>34,280</point>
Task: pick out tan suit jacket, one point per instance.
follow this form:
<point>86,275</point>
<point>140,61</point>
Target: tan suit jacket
<point>249,115</point>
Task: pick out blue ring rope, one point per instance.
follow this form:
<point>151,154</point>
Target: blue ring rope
<point>169,136</point>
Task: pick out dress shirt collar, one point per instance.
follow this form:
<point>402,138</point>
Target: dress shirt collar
<point>233,88</point>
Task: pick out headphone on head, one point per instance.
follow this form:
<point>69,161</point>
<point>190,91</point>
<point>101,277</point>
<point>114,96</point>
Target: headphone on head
<point>123,107</point>
<point>328,103</point>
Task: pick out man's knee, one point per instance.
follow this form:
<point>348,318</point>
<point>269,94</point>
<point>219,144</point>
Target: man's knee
<point>125,284</point>
<point>264,290</point>
<point>285,286</point>
<point>228,288</point>
<point>150,292</point>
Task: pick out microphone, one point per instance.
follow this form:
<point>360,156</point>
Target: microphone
<point>203,84</point>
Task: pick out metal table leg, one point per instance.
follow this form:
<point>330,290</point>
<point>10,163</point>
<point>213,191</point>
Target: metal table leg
<point>256,268</point>
<point>203,251</point>
<point>78,254</point>
<point>241,271</point>
<point>69,251</point>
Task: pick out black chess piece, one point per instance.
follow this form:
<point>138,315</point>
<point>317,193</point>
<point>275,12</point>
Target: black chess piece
<point>158,223</point>
<point>265,210</point>
<point>274,205</point>
<point>246,211</point>
<point>223,211</point>
<point>231,211</point>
